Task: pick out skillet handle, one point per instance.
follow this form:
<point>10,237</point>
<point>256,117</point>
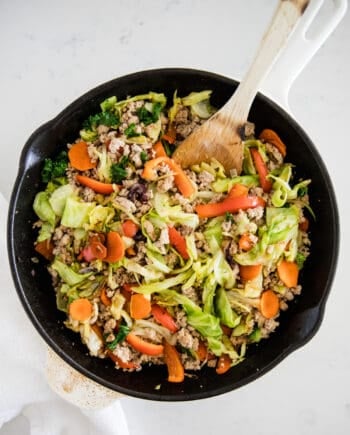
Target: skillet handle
<point>301,49</point>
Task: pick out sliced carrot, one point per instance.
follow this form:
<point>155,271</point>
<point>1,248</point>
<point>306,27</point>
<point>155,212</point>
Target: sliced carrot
<point>140,306</point>
<point>238,190</point>
<point>98,250</point>
<point>97,330</point>
<point>80,309</point>
<point>128,287</point>
<point>272,138</point>
<point>79,157</point>
<point>122,364</point>
<point>248,273</point>
<point>129,228</point>
<point>202,351</point>
<point>245,242</point>
<point>45,248</point>
<point>159,149</point>
<point>96,186</point>
<point>115,247</point>
<point>144,346</point>
<point>183,183</point>
<point>261,169</point>
<point>223,364</point>
<point>178,242</point>
<point>229,205</point>
<point>176,372</point>
<point>163,317</point>
<point>269,304</point>
<point>170,135</point>
<point>104,298</point>
<point>288,273</point>
<point>130,251</point>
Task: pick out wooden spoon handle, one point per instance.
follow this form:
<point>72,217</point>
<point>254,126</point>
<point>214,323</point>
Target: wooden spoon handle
<point>281,27</point>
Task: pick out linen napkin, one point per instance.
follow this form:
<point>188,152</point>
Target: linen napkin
<point>36,383</point>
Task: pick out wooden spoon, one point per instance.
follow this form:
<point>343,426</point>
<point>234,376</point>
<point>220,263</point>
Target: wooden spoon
<point>221,136</point>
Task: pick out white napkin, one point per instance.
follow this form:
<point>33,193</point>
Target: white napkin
<point>25,363</point>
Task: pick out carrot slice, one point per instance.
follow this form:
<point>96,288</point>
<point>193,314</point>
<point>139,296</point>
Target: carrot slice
<point>248,273</point>
<point>229,205</point>
<point>176,372</point>
<point>129,228</point>
<point>245,243</point>
<point>45,248</point>
<point>288,273</point>
<point>223,364</point>
<point>104,298</point>
<point>159,149</point>
<point>262,170</point>
<point>80,309</point>
<point>144,346</point>
<point>182,181</point>
<point>178,241</point>
<point>202,351</point>
<point>238,190</point>
<point>98,250</point>
<point>170,135</point>
<point>163,317</point>
<point>115,247</point>
<point>122,364</point>
<point>304,224</point>
<point>79,157</point>
<point>96,186</point>
<point>272,138</point>
<point>140,306</point>
<point>269,304</point>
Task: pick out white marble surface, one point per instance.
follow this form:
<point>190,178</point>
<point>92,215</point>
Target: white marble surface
<point>52,52</point>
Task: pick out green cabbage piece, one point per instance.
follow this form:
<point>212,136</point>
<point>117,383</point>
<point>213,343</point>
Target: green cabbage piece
<point>152,96</point>
<point>59,197</point>
<point>43,209</point>
<point>208,294</point>
<point>224,311</point>
<point>225,185</point>
<point>173,213</point>
<point>174,108</point>
<point>148,272</point>
<point>45,231</point>
<point>199,103</point>
<point>165,284</point>
<point>213,233</point>
<point>100,216</point>
<point>76,213</point>
<point>67,274</point>
<point>223,346</point>
<point>108,104</point>
<point>88,135</point>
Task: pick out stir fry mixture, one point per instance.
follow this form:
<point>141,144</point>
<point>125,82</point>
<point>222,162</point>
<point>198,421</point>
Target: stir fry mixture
<point>156,264</point>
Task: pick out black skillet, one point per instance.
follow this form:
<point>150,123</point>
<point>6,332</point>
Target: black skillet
<point>32,281</point>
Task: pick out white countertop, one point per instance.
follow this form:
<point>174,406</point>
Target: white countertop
<point>52,52</point>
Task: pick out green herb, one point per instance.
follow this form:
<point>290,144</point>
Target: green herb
<point>144,156</point>
<point>109,119</point>
<point>118,171</point>
<point>130,131</point>
<point>300,259</point>
<point>302,191</point>
<point>123,331</point>
<point>229,217</point>
<point>54,168</point>
<point>149,117</point>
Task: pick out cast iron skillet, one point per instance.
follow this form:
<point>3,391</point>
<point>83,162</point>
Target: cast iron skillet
<point>33,284</point>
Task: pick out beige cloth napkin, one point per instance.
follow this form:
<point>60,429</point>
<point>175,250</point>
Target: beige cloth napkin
<point>38,384</point>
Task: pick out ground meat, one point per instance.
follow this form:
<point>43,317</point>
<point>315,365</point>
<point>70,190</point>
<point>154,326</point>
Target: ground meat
<point>205,179</point>
<point>129,206</point>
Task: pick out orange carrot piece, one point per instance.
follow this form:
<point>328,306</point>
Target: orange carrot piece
<point>223,364</point>
<point>229,205</point>
<point>288,273</point>
<point>45,248</point>
<point>159,149</point>
<point>170,135</point>
<point>304,224</point>
<point>269,304</point>
<point>122,364</point>
<point>129,228</point>
<point>176,372</point>
<point>97,330</point>
<point>130,251</point>
<point>98,250</point>
<point>183,183</point>
<point>178,241</point>
<point>115,247</point>
<point>144,346</point>
<point>248,273</point>
<point>104,298</point>
<point>163,317</point>
<point>261,169</point>
<point>202,351</point>
<point>238,190</point>
<point>140,306</point>
<point>272,138</point>
<point>96,186</point>
<point>245,243</point>
<point>80,309</point>
<point>79,157</point>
